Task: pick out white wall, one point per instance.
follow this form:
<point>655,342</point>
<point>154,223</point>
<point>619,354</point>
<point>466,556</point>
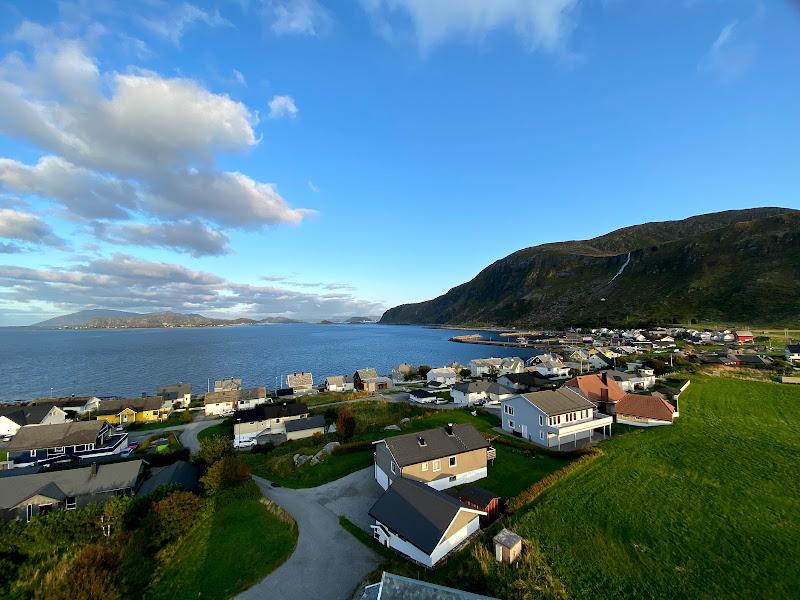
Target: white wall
<point>8,427</point>
<point>468,477</point>
<point>381,477</point>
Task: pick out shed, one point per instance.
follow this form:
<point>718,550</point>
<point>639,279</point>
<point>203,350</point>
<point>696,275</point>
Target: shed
<point>507,546</point>
<point>481,499</point>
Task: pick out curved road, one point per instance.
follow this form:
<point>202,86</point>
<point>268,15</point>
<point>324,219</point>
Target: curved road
<point>328,561</point>
<point>187,434</point>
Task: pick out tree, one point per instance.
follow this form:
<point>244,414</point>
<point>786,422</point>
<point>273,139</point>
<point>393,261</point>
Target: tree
<point>411,375</point>
<point>423,370</point>
<point>226,473</point>
<point>465,373</point>
<point>174,515</point>
<point>214,448</point>
<point>186,416</point>
<point>345,423</point>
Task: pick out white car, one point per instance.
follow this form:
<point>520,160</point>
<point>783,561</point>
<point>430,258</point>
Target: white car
<point>244,443</point>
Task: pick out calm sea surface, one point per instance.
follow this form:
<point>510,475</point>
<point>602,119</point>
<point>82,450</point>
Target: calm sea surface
<point>37,363</point>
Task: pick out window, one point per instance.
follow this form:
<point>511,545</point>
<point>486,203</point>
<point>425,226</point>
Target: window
<point>424,467</point>
<point>541,435</point>
<point>33,453</point>
<point>437,465</point>
<point>28,512</point>
<point>452,461</point>
<point>393,467</point>
<point>541,420</point>
<point>80,448</point>
<point>511,424</point>
<point>509,410</point>
<point>70,502</point>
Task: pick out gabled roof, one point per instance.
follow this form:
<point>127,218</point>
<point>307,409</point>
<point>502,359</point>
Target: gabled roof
<point>395,587</point>
<point>417,512</point>
<point>25,414</point>
<point>335,380</point>
<point>69,482</point>
<point>363,374</point>
<point>140,404</point>
<point>592,385</point>
<point>34,437</point>
<point>175,390</point>
<point>473,387</point>
<point>407,450</point>
<point>528,379</point>
<point>793,348</point>
<point>646,407</point>
<point>263,412</point>
<point>473,494</point>
<point>498,389</point>
<point>422,394</point>
<point>303,424</point>
<point>557,402</point>
<point>181,473</point>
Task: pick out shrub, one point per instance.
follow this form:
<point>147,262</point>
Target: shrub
<point>90,575</point>
<point>464,373</point>
<point>214,448</point>
<point>174,515</point>
<point>263,448</point>
<point>345,424</point>
<point>318,438</point>
<point>227,472</point>
<point>423,370</point>
<point>186,417</point>
<point>352,447</point>
<point>118,512</point>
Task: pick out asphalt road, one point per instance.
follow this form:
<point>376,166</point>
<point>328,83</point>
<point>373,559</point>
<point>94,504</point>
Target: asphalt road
<point>187,434</point>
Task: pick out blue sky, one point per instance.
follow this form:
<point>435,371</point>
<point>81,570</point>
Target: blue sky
<point>310,159</point>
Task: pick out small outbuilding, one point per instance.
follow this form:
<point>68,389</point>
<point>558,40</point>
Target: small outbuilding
<point>478,498</point>
<point>507,546</point>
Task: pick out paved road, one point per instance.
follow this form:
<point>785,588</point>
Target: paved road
<point>328,561</point>
<point>187,434</point>
<point>394,397</point>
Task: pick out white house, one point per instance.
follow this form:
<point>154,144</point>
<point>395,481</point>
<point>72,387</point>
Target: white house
<point>642,378</point>
<point>422,523</point>
<point>471,392</point>
<point>554,418</point>
<point>15,416</point>
<point>793,353</point>
<point>339,383</point>
<point>552,368</point>
<point>443,376</point>
<point>177,395</point>
<point>484,366</point>
<point>422,396</point>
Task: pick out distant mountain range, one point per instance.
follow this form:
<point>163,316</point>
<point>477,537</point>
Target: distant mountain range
<point>117,319</point>
<point>739,266</point>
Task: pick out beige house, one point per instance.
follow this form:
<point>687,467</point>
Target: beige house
<point>367,380</point>
<point>268,419</point>
<point>227,401</point>
<point>441,458</point>
<point>300,382</point>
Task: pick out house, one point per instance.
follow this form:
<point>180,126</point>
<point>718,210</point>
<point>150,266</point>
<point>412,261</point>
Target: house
<point>443,376</point>
<point>480,499</point>
<point>300,381</point>
<point>527,381</point>
<point>744,337</point>
<point>512,364</point>
<point>251,397</point>
<point>227,384</point>
<point>297,429</point>
<point>554,418</point>
<point>442,457</point>
<point>401,372</point>
<point>470,393</point>
<point>552,368</point>
<point>267,419</point>
<point>479,367</point>
<point>226,402</point>
<point>180,474</point>
<point>598,360</point>
<point>600,389</point>
<point>48,444</point>
<point>421,522</point>
<point>176,395</point>
<point>25,496</point>
<point>642,378</point>
<point>754,360</point>
<point>498,392</point>
<point>367,380</point>
<point>507,546</point>
<point>644,411</point>
<point>793,353</point>
<point>145,409</point>
<point>72,405</point>
<point>395,587</point>
<point>14,416</point>
<point>422,396</point>
<point>338,383</point>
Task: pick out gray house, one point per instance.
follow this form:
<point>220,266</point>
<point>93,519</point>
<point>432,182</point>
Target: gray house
<point>24,496</point>
<point>561,419</point>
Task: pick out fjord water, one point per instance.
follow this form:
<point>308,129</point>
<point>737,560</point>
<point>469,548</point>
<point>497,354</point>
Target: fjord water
<point>127,362</point>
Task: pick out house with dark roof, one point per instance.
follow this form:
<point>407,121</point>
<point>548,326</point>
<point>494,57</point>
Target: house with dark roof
<point>73,405</point>
<point>52,444</point>
<point>14,416</point>
<point>176,395</point>
<point>562,419</point>
<point>268,419</point>
<point>27,495</point>
<point>421,522</point>
<point>441,458</point>
<point>396,587</point>
<point>224,402</point>
<point>180,474</point>
<point>793,354</point>
<point>471,392</point>
<point>527,381</point>
<point>422,396</point>
<point>126,411</point>
<point>480,499</point>
<point>367,380</point>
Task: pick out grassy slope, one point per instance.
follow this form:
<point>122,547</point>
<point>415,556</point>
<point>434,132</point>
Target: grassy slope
<point>224,429</point>
<point>706,508</point>
<point>230,550</point>
<point>514,470</point>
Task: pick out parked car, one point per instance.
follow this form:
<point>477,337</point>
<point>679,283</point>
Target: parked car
<point>134,446</point>
<point>244,443</point>
<point>119,428</point>
<point>126,453</point>
<point>441,400</point>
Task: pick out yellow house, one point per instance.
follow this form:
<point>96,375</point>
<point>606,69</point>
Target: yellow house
<point>146,409</point>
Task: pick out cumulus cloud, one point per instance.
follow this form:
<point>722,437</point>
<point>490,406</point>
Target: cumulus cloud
<point>121,146</point>
<point>297,17</point>
<point>541,24</point>
<point>727,58</point>
<point>175,23</point>
<point>282,106</point>
<point>184,236</point>
<point>26,227</point>
<point>125,282</point>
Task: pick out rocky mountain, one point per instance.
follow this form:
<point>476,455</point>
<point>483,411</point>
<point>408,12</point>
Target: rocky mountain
<point>77,319</point>
<point>738,266</point>
<point>161,319</point>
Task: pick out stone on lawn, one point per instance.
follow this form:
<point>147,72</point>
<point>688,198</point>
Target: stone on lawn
<point>392,428</point>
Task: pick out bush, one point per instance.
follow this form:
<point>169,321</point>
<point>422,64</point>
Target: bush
<point>186,417</point>
<point>345,424</point>
<point>214,448</point>
<point>119,513</point>
<point>90,575</point>
<point>464,373</point>
<point>352,447</point>
<point>263,448</point>
<point>173,516</point>
<point>166,459</point>
<point>423,370</point>
<point>228,472</point>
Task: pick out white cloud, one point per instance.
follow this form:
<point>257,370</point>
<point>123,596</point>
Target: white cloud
<point>26,227</point>
<point>727,58</point>
<point>298,17</point>
<point>282,106</point>
<point>184,236</point>
<point>312,186</point>
<point>175,23</point>
<point>238,77</point>
<point>541,24</point>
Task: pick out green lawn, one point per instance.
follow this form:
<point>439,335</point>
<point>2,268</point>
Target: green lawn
<point>281,468</point>
<point>330,398</point>
<point>705,508</point>
<point>239,543</point>
<point>173,420</point>
<point>514,470</point>
<point>224,429</point>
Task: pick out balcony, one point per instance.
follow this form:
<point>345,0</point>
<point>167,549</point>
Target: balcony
<point>564,429</point>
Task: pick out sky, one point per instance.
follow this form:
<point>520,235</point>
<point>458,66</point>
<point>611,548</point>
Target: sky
<point>316,159</point>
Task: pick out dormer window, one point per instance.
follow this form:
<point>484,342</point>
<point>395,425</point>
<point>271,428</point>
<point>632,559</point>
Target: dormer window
<point>421,441</point>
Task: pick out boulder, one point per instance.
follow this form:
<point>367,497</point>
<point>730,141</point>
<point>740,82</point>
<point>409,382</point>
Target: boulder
<point>301,459</point>
<point>392,428</point>
<point>404,421</point>
<point>330,447</point>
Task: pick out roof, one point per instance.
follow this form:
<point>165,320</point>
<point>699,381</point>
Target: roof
<point>793,348</point>
<point>140,404</point>
<point>473,494</point>
<point>496,388</point>
<point>175,390</point>
<point>473,387</point>
<point>443,371</point>
<point>744,333</point>
<point>417,512</point>
<point>69,482</point>
<point>528,379</point>
<point>303,424</point>
<point>422,394</point>
<point>646,407</point>
<point>335,380</point>
<point>33,437</point>
<point>64,401</point>
<point>591,386</point>
<point>507,538</point>
<point>366,373</point>
<point>25,415</point>
<point>556,402</point>
<point>406,449</point>
<point>263,412</point>
<point>180,473</point>
<point>395,587</point>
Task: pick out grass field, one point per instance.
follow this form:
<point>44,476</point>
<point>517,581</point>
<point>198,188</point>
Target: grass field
<point>224,429</point>
<point>330,398</point>
<point>514,470</point>
<point>173,420</point>
<point>235,546</point>
<point>706,508</point>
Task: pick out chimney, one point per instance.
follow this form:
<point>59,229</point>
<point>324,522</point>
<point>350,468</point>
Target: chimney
<point>604,379</point>
<point>421,440</point>
<point>93,472</point>
<point>449,429</point>
<point>604,395</point>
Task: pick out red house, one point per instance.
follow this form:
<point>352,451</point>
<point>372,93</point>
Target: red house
<point>743,337</point>
<point>481,499</point>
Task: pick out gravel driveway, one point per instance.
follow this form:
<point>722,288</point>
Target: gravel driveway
<point>328,562</point>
